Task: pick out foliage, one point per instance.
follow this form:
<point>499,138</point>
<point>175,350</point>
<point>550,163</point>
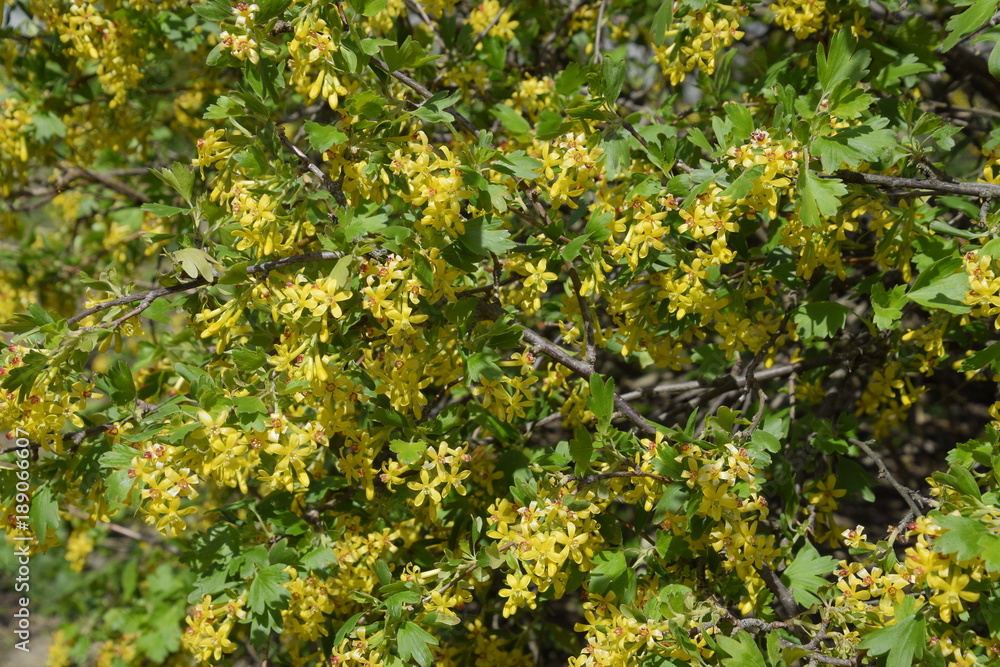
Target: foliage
<point>380,333</point>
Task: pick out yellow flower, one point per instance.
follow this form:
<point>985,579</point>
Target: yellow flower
<point>950,594</point>
<point>517,594</point>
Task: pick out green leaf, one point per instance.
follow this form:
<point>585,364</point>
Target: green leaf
<point>888,306</point>
<point>602,397</point>
<point>121,383</point>
<point>120,456</point>
<point>803,575</point>
<point>249,408</point>
<point>484,235</point>
<point>44,513</point>
<point>943,285</point>
<point>851,103</point>
<point>22,378</point>
<point>902,641</point>
<point>483,365</point>
<point>818,196</point>
<point>744,653</point>
<point>697,137</point>
<point>843,64</point>
<point>346,628</point>
<point>164,211</point>
<point>394,603</point>
<point>551,125</point>
<point>820,319</point>
<point>965,23</point>
<point>612,573</point>
<point>214,10</point>
<point>266,589</point>
<point>47,125</point>
<point>854,145</point>
<point>408,55</point>
<point>581,449</point>
<point>195,263</point>
<point>117,486</point>
<point>518,165</point>
<point>740,118</point>
<point>382,572</point>
<point>270,9</point>
<point>607,84</point>
<point>409,453</point>
<point>511,119</point>
<point>323,137</point>
<point>412,641</point>
<point>962,536</point>
<point>993,64</point>
<point>987,357</point>
<point>742,186</point>
<point>616,157</point>
<point>434,109</point>
<point>661,19</point>
<point>572,249</point>
<point>180,176</point>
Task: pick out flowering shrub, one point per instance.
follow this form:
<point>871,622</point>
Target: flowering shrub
<point>382,332</point>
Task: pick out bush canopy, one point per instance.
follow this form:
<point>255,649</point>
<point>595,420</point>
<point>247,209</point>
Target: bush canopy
<point>401,332</point>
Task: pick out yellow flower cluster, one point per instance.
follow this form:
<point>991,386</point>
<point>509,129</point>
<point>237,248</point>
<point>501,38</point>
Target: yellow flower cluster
<point>43,415</point>
<point>726,480</point>
<point>312,70</point>
<point>570,167</point>
<point>209,627</point>
<point>556,529</point>
<point>435,185</point>
<point>113,44</point>
<point>532,95</point>
<point>803,17</point>
<point>442,471</point>
<point>926,575</point>
<point>14,123</point>
<point>164,487</point>
<point>984,286</point>
<point>889,395</point>
<point>488,13</point>
<point>79,545</point>
<point>780,160</point>
<point>304,619</point>
<point>697,37</point>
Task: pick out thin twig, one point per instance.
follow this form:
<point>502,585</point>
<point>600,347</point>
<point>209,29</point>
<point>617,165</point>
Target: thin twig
<point>482,33</point>
<point>906,493</point>
<point>590,354</point>
<point>597,57</point>
<point>492,310</point>
<point>328,183</point>
<point>413,85</point>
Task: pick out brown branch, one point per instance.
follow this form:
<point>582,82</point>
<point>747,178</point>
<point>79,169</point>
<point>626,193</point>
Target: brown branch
<point>787,607</point>
<point>590,479</point>
<point>727,382</point>
<point>108,181</point>
<point>561,23</point>
<point>492,310</point>
<point>981,190</point>
<point>329,184</point>
<point>127,532</point>
<point>884,473</point>
<point>413,85</point>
